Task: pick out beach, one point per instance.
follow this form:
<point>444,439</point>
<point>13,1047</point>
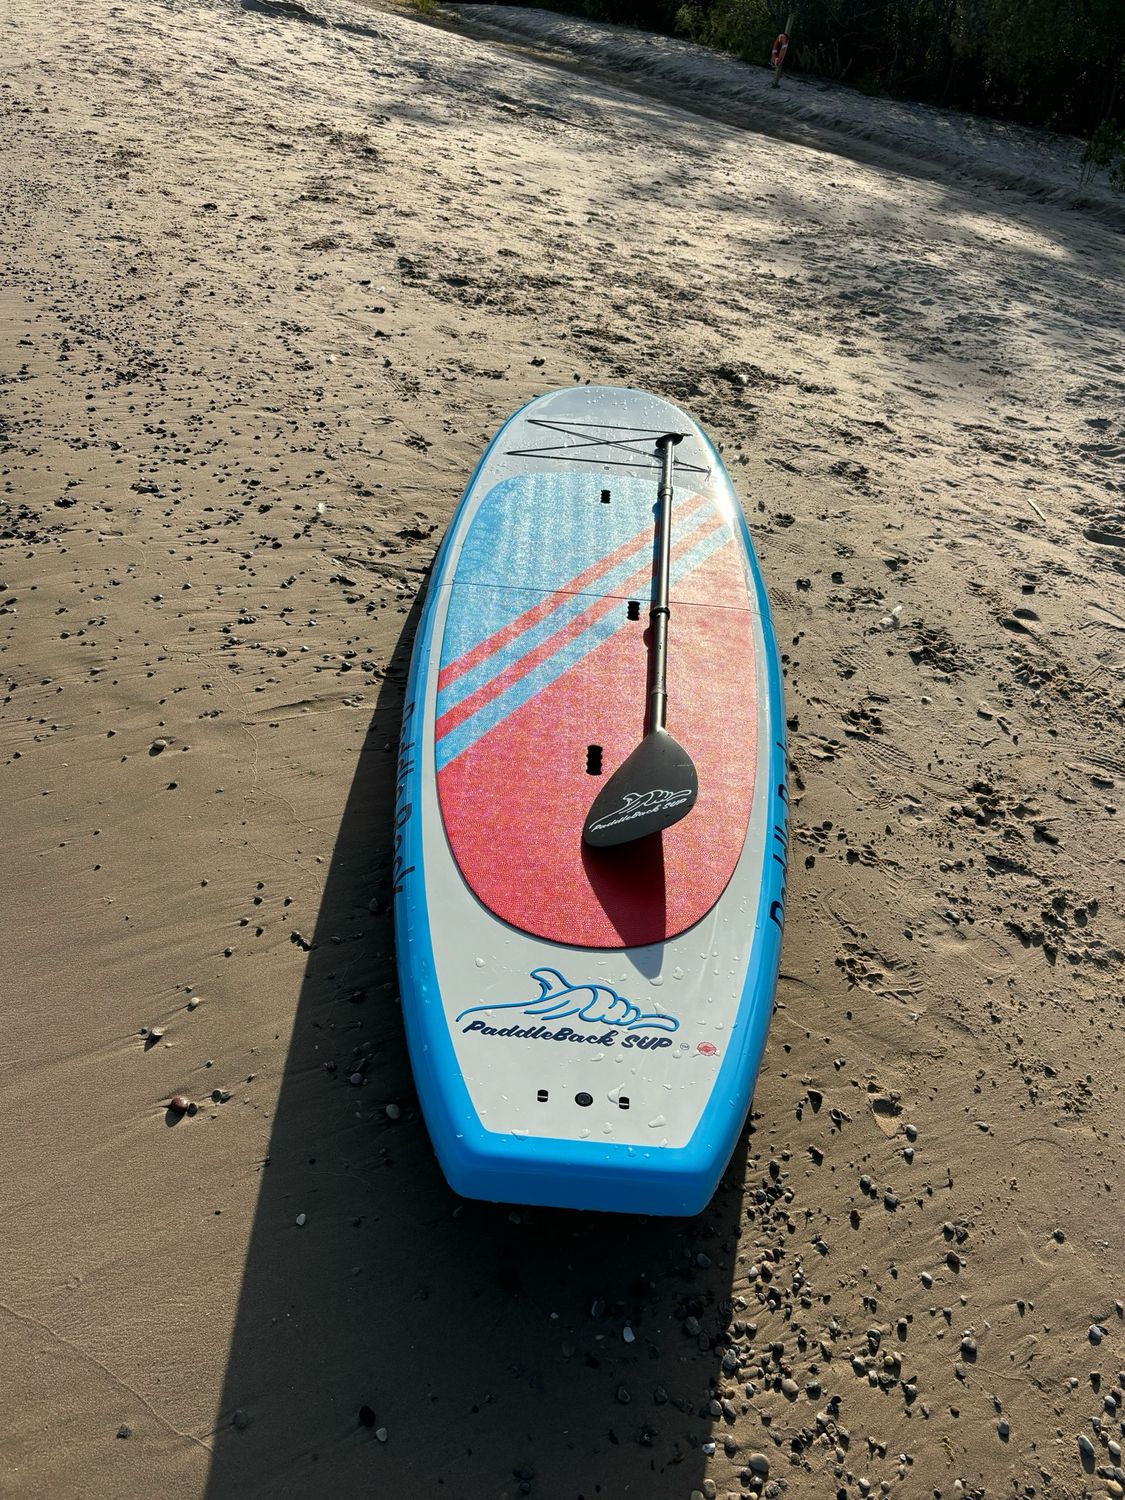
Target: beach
<point>272,277</point>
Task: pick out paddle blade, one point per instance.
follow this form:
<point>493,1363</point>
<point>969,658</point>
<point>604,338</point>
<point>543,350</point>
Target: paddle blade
<point>654,788</point>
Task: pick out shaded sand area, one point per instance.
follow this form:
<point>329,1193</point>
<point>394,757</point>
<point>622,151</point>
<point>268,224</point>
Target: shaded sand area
<point>268,286</point>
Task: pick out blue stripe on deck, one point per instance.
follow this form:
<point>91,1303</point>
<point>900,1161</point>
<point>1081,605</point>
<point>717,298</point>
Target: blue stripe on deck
<point>511,603</point>
<point>540,531</point>
<point>494,712</point>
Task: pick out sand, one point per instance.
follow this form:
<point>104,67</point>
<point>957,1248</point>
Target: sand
<point>268,286</point>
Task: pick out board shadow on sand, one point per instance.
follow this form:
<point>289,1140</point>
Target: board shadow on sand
<point>400,1340</point>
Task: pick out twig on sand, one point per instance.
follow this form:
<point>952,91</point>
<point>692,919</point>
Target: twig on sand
<point>1035,508</point>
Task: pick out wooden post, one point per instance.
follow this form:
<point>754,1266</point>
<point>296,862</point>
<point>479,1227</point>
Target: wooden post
<point>789,24</point>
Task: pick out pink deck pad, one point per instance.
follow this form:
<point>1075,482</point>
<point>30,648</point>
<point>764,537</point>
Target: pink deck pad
<point>514,802</point>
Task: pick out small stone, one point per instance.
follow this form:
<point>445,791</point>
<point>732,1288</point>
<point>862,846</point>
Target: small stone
<point>157,746</point>
<point>392,1112</point>
<point>908,1154</point>
<point>911,1132</point>
<point>890,1202</point>
<point>381,1434</point>
<point>180,1103</point>
<point>1085,1446</point>
<point>194,1002</point>
<point>790,1388</point>
<point>759,1464</point>
<point>355,1079</point>
<point>301,1220</point>
<point>124,1432</point>
<point>1003,1430</point>
<point>1095,1334</point>
<point>927,1280</point>
<point>709,1490</point>
<point>240,1421</point>
<point>628,1335</point>
<point>622,1395</point>
<point>969,1348</point>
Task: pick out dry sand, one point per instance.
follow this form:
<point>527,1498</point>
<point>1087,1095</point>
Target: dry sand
<point>268,287</point>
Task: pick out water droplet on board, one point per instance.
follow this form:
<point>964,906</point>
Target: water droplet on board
<point>479,962</point>
<point>657,979</point>
<point>657,1122</point>
<point>677,972</point>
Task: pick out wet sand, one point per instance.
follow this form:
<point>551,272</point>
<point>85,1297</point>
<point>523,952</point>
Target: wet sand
<point>269,285</point>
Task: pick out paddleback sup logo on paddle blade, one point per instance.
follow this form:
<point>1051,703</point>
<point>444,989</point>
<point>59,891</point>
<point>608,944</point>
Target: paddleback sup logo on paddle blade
<point>640,805</point>
<point>655,787</point>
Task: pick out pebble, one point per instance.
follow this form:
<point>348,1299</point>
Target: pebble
<point>194,1001</point>
<point>355,1079</point>
<point>180,1103</point>
<point>393,1112</point>
<point>969,1348</point>
<point>240,1421</point>
<point>927,1279</point>
<point>790,1388</point>
<point>627,1334</point>
<point>1096,1334</point>
<point>911,1132</point>
<point>157,746</point>
<point>301,1220</point>
<point>1085,1446</point>
<point>124,1432</point>
<point>623,1395</point>
<point>908,1154</point>
<point>759,1464</point>
<point>1003,1430</point>
<point>709,1490</point>
<point>381,1434</point>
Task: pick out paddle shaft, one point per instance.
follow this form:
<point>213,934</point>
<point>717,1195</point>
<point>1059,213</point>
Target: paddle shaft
<point>658,614</point>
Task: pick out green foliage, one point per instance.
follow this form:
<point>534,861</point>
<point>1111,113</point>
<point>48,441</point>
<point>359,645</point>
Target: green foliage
<point>1105,151</point>
<point>1053,63</point>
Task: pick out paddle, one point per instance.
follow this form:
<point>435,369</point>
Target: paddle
<point>657,784</point>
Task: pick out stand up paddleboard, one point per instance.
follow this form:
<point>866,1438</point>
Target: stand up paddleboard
<point>586,1011</point>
